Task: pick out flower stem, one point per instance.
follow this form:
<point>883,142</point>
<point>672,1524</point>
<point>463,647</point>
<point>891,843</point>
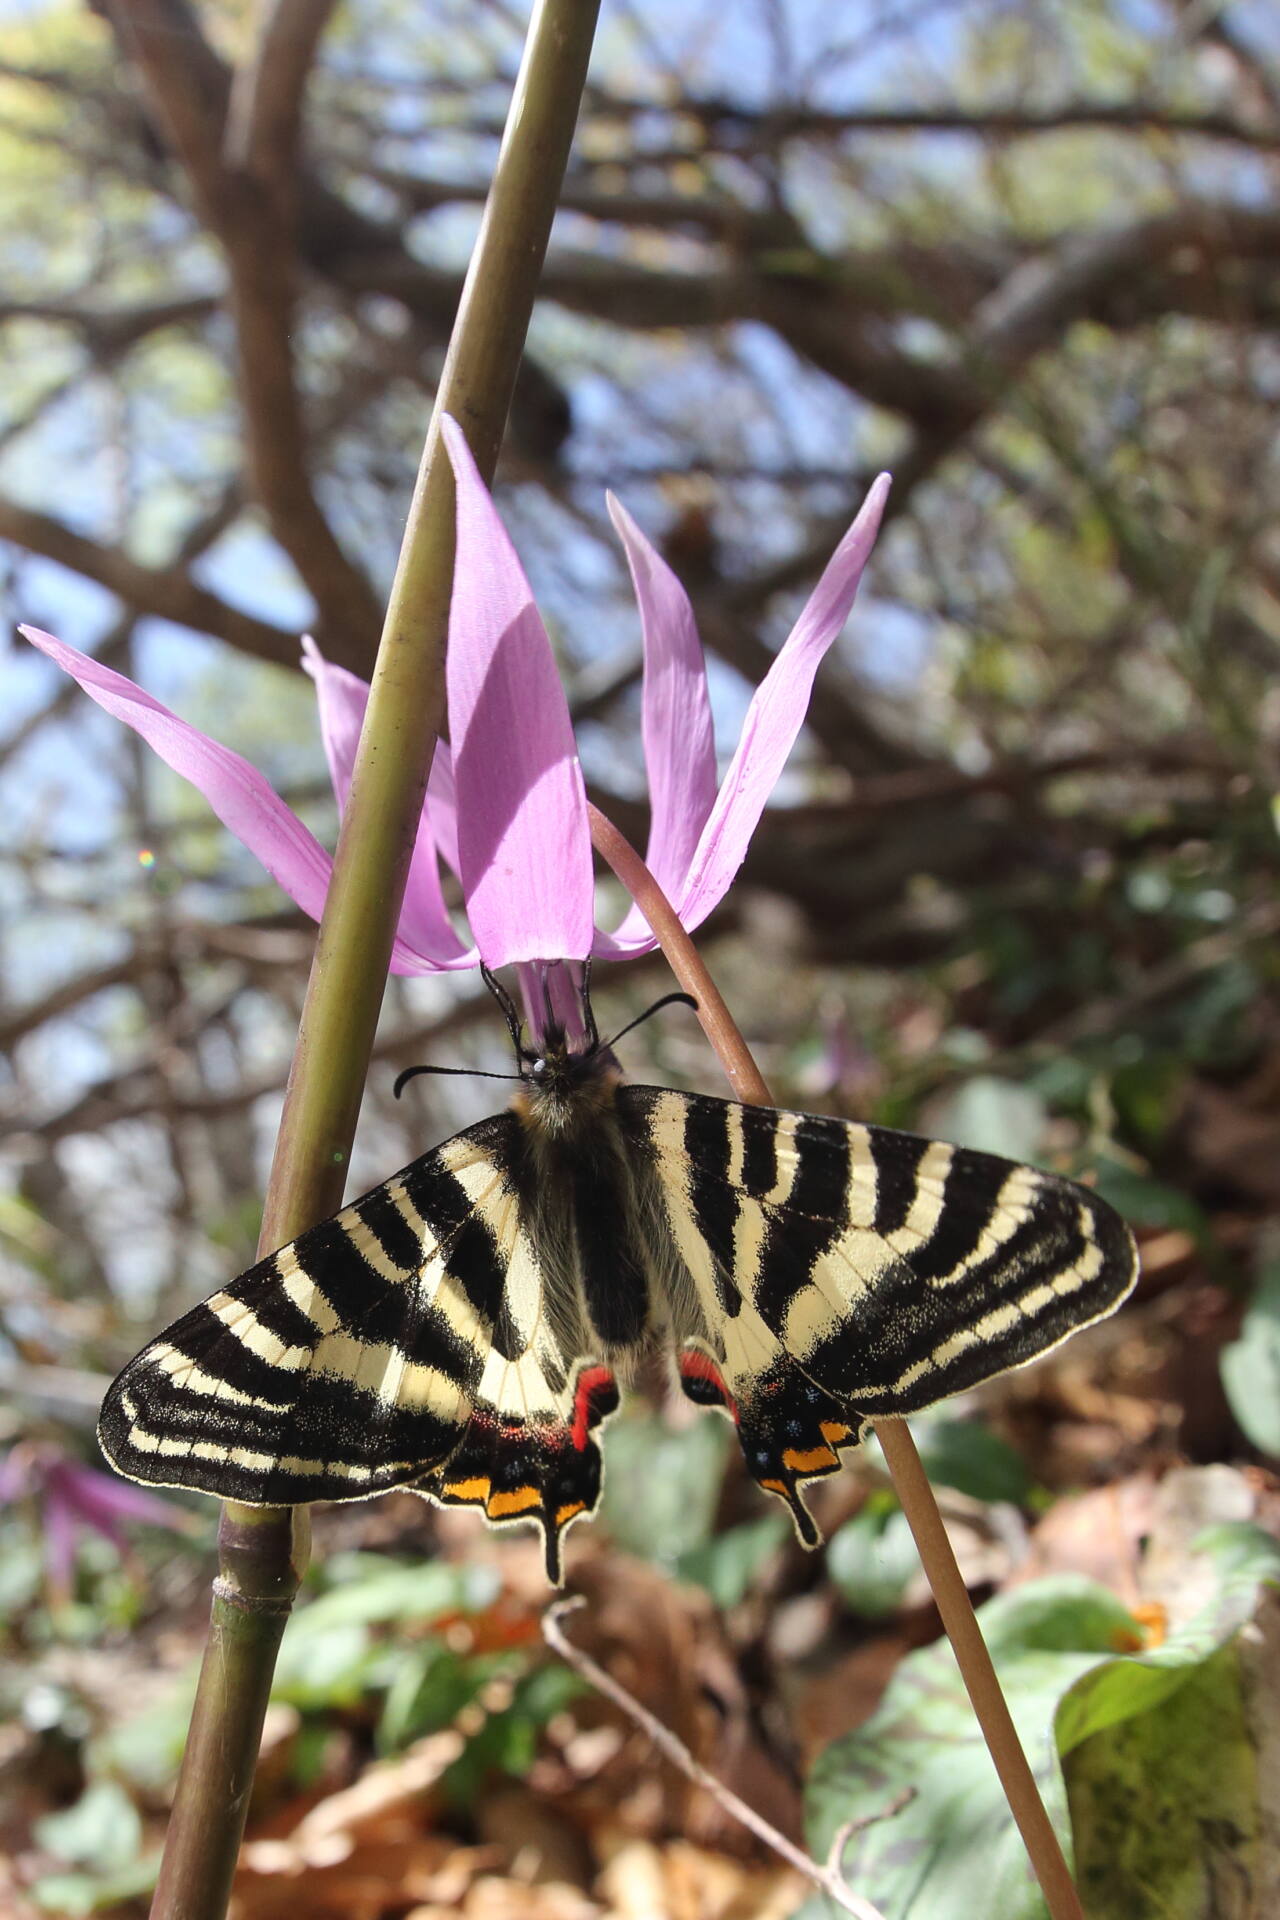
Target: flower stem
<point>910,1481</point>
<point>262,1556</point>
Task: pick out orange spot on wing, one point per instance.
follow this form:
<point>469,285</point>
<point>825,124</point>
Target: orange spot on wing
<point>519,1500</point>
<point>565,1514</point>
<point>834,1430</point>
<point>472,1490</point>
<point>816,1460</point>
<point>777,1486</point>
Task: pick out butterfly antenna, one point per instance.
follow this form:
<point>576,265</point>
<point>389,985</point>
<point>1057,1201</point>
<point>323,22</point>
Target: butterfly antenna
<point>479,1073</point>
<point>667,1000</point>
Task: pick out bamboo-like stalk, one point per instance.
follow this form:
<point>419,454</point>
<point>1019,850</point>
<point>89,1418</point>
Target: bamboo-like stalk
<point>262,1555</point>
<point>910,1481</point>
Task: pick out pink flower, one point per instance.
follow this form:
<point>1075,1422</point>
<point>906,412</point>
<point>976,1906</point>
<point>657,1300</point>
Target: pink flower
<point>507,808</point>
<point>73,1498</point>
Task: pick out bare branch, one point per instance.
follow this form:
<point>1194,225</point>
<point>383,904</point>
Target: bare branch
<point>264,123</point>
<point>165,593</point>
<point>189,91</point>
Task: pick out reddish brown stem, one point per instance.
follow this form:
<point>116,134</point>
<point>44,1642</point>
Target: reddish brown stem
<point>909,1478</point>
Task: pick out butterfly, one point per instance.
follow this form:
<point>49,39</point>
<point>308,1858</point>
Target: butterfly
<point>464,1329</point>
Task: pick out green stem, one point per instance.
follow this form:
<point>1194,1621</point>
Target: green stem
<point>260,1559</point>
<point>910,1481</point>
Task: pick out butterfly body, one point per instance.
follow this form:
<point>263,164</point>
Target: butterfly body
<point>463,1329</point>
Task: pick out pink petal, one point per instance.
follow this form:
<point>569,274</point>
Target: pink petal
<point>679,738</point>
<point>523,843</point>
<point>775,717</point>
<point>442,798</point>
<point>240,796</point>
<point>102,1502</point>
<point>242,799</point>
<point>427,940</point>
<point>341,698</point>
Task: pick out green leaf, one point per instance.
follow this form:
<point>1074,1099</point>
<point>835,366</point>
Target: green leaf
<point>662,1484</point>
<point>21,1570</point>
<point>1146,1202</point>
<point>939,1843</point>
<point>328,1668</point>
<point>430,1685</point>
<point>871,1559</point>
<point>73,1894</point>
<point>330,1656</point>
<point>1251,1365</point>
<point>368,1589</point>
<point>967,1456</point>
<point>102,1831</point>
<point>1163,1771</point>
<point>1164,1807</point>
<point>147,1747</point>
<point>727,1565</point>
<point>993,1115</point>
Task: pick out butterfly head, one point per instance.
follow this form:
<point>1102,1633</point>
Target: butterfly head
<point>567,1081</point>
<point>569,1074</point>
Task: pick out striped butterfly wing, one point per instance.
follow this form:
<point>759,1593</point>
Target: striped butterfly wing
<point>848,1272</point>
<point>529,1451</point>
<point>417,1339</point>
<point>342,1365</point>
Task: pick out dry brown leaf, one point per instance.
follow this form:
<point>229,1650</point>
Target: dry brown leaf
<point>1098,1533</point>
<point>665,1643</point>
<point>680,1881</point>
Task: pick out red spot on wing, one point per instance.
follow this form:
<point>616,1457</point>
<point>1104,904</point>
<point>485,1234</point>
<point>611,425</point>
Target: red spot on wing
<point>594,1395</point>
<point>703,1381</point>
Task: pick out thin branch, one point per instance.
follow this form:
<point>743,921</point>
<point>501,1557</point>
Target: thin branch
<point>164,593</point>
<point>264,122</point>
<point>256,233</point>
<point>828,1878</point>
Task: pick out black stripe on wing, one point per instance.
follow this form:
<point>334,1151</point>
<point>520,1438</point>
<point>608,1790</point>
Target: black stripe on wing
<point>991,1265</point>
<point>344,1363</point>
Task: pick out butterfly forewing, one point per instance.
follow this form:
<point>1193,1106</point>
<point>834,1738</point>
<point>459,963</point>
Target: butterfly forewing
<point>342,1365</point>
<point>891,1270</point>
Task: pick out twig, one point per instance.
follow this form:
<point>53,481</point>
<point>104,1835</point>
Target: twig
<point>828,1877</point>
<point>909,1478</point>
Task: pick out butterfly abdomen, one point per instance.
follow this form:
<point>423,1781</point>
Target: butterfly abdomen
<point>584,1183</point>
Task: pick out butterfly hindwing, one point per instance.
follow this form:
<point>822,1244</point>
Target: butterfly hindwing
<point>529,1450</point>
<point>538,1463</point>
<point>344,1364</point>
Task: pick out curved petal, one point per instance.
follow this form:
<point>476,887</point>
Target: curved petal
<point>241,797</point>
<point>103,1502</point>
<point>442,798</point>
<point>523,843</point>
<point>426,932</point>
<point>775,717</point>
<point>679,737</point>
<point>341,698</point>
